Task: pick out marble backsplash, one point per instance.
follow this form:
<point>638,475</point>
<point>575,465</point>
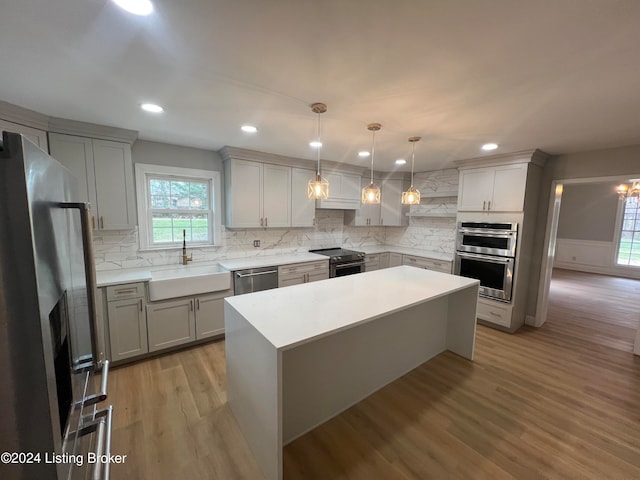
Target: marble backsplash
<point>120,249</point>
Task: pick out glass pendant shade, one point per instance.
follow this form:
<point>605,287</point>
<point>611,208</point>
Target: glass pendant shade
<point>318,188</point>
<point>627,191</point>
<point>412,196</point>
<point>371,194</point>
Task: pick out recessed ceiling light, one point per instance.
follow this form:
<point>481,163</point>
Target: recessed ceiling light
<point>137,7</point>
<point>401,161</point>
<point>248,128</point>
<point>363,154</point>
<point>152,107</point>
<point>315,144</point>
<point>489,146</point>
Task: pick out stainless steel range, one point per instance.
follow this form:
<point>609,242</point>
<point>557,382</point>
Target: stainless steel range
<point>342,262</point>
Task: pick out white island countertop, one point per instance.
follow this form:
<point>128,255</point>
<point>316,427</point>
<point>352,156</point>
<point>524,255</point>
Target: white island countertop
<point>312,310</point>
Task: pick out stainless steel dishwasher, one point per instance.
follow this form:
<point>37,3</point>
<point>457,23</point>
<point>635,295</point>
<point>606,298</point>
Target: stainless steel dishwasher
<point>255,279</point>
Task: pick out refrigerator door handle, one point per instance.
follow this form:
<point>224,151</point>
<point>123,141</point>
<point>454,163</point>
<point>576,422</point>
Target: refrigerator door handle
<point>90,274</point>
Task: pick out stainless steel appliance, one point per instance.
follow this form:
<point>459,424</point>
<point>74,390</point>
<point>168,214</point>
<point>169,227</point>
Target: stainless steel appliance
<point>342,262</point>
<point>486,251</point>
<point>50,344</point>
<point>255,280</point>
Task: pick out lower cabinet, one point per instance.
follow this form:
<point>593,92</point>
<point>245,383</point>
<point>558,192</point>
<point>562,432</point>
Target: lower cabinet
<point>127,321</point>
<point>395,259</point>
<point>176,322</point>
<point>372,262</point>
<point>494,312</point>
<point>427,263</point>
<point>302,273</point>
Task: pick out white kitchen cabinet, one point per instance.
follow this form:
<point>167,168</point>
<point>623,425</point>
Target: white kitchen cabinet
<point>257,194</point>
<point>126,320</point>
<point>392,212</point>
<point>395,259</point>
<point>366,214</point>
<point>344,191</point>
<point>210,314</point>
<point>494,312</point>
<point>104,170</point>
<point>171,323</point>
<point>427,263</point>
<point>39,137</point>
<point>493,189</point>
<point>305,272</point>
<point>303,208</point>
<point>372,262</point>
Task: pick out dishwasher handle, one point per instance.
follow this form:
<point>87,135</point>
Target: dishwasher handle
<point>243,275</point>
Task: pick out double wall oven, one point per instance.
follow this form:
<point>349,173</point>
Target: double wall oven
<point>487,252</point>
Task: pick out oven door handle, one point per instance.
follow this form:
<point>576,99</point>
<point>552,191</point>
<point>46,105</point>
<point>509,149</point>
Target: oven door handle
<point>485,258</point>
<point>347,265</point>
<point>475,233</point>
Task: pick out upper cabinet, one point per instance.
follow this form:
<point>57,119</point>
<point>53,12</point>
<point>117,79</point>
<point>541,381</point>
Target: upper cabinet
<point>257,194</point>
<point>105,173</point>
<point>303,208</point>
<point>493,189</point>
<point>39,137</point>
<point>392,212</point>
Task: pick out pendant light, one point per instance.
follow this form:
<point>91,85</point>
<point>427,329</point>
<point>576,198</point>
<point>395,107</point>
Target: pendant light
<point>412,196</point>
<point>318,188</point>
<point>371,194</point>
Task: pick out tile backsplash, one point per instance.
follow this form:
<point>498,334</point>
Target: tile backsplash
<point>120,248</point>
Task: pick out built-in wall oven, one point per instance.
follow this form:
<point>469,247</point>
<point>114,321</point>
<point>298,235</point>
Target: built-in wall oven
<point>486,251</point>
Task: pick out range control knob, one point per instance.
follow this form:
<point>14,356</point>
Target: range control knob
<point>338,258</point>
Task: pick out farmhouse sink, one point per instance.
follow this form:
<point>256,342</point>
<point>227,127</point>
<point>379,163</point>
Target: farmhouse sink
<point>188,280</point>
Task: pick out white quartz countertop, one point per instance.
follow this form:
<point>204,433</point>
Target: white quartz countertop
<point>448,257</point>
<point>270,260</point>
<point>118,277</point>
<point>294,315</point>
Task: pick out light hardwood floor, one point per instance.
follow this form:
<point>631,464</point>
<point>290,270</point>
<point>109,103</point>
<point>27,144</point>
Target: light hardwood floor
<point>560,402</point>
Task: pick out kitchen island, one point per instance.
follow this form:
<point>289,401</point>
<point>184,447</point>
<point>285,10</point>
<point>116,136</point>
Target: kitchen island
<point>300,355</point>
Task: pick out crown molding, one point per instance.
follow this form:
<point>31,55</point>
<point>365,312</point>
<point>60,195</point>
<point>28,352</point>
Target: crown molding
<point>536,157</point>
<point>23,116</point>
<point>92,130</point>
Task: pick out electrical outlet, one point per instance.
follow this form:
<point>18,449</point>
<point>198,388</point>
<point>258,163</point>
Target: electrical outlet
<point>256,243</point>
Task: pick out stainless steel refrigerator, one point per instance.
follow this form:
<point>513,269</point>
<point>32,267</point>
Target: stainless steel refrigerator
<point>53,421</point>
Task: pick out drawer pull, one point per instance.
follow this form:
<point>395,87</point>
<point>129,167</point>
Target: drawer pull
<point>126,290</point>
<point>495,314</point>
<point>140,304</point>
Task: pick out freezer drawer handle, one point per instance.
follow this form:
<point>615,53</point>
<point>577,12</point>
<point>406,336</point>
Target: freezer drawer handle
<point>243,275</point>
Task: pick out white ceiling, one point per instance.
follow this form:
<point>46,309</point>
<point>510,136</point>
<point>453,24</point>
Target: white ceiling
<point>558,75</point>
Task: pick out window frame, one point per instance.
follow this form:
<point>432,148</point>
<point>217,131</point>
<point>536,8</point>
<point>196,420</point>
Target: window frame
<point>618,237</point>
<point>145,171</point>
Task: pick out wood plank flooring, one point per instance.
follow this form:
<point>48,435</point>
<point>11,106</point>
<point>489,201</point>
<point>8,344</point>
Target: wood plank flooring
<point>559,402</point>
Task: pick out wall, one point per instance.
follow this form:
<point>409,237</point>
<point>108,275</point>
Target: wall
<point>586,239</point>
<point>621,161</point>
<point>119,249</point>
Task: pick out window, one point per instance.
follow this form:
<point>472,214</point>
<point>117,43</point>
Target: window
<point>629,246</point>
<point>175,204</point>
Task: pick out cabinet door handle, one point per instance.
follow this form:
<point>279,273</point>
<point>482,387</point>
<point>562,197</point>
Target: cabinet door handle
<point>266,221</point>
<point>191,305</point>
<point>101,221</point>
<point>93,222</point>
<point>261,222</point>
<point>484,205</point>
<point>140,304</point>
<point>382,221</point>
<point>314,220</point>
<point>489,205</point>
<point>197,304</point>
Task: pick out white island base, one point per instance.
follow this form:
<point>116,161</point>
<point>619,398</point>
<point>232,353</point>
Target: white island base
<point>298,356</point>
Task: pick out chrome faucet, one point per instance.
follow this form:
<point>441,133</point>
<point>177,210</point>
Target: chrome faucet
<point>185,259</point>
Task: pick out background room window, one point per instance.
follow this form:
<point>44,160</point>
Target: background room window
<point>172,200</point>
<point>629,246</point>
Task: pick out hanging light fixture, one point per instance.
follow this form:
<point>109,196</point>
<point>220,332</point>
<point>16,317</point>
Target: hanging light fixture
<point>628,191</point>
<point>371,194</point>
<point>412,196</point>
<point>318,188</point>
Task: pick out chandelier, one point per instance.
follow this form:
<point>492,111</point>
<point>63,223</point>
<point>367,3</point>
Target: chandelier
<point>629,191</point>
